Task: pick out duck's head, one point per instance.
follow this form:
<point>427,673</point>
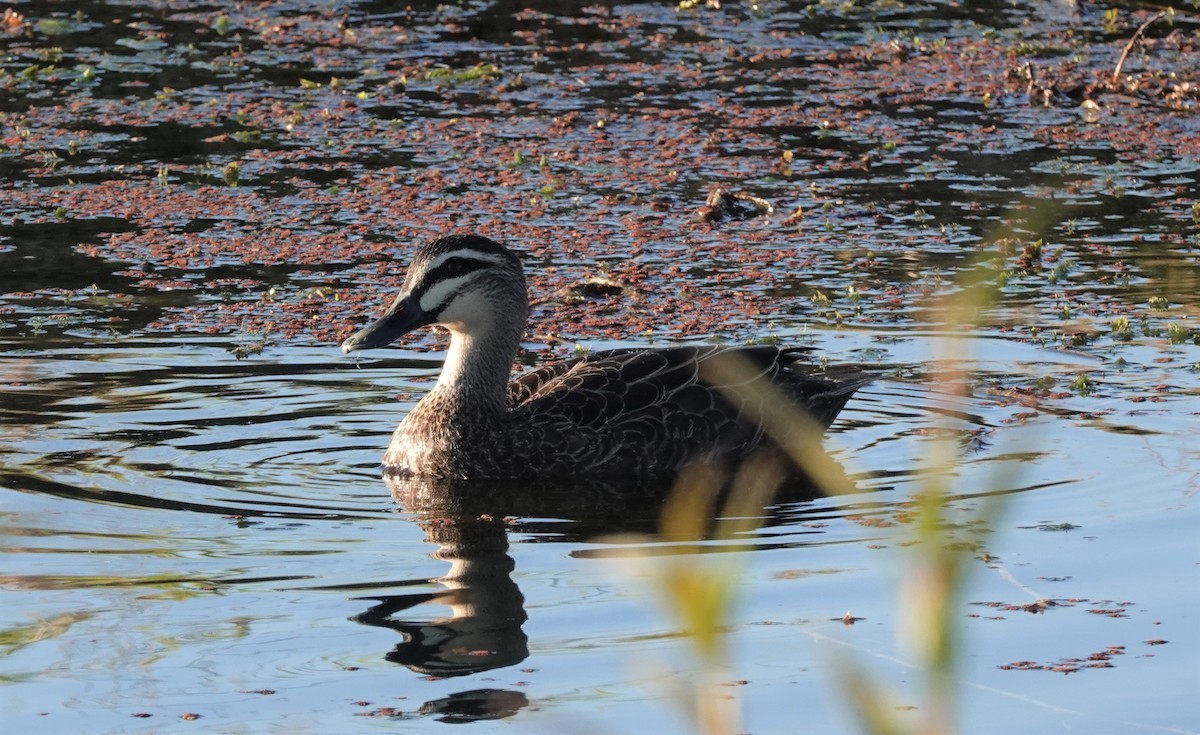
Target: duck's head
<point>465,283</point>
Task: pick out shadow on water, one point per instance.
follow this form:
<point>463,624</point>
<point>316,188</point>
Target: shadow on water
<point>47,255</point>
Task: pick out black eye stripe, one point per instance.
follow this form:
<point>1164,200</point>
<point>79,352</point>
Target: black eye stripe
<point>455,267</point>
<point>459,266</point>
<point>450,268</point>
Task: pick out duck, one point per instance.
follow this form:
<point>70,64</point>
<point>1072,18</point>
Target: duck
<point>620,413</point>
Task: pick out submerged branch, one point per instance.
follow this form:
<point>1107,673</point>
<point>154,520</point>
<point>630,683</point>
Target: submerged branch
<point>1116,75</point>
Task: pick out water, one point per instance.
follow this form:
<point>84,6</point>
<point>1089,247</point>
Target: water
<point>193,520</point>
<point>186,531</point>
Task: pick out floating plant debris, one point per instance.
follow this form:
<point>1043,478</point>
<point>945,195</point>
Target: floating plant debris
<point>306,150</point>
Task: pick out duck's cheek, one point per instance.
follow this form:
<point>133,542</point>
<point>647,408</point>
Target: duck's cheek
<point>467,312</point>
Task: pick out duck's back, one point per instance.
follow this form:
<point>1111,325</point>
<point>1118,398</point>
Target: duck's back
<point>637,412</point>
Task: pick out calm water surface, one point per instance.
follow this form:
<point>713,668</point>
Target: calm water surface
<point>185,534</point>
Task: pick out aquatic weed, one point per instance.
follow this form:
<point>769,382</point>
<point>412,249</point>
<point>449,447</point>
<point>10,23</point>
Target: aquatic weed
<point>1121,329</point>
<point>454,77</point>
<point>1110,19</point>
<point>1177,333</point>
<point>854,296</point>
<point>247,136</point>
<point>49,159</point>
<point>1083,385</point>
<point>1147,327</point>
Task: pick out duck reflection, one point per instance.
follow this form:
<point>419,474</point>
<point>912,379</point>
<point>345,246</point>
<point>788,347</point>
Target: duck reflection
<point>467,523</point>
<point>477,704</point>
<point>483,629</point>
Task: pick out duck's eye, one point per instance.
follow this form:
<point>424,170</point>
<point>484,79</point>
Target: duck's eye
<point>455,267</point>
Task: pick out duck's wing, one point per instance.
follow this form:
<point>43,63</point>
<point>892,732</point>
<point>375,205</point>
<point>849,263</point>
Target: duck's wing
<point>524,388</point>
<point>634,407</point>
<point>601,388</point>
<point>822,392</point>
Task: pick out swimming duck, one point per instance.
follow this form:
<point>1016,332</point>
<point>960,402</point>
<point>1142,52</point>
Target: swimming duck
<point>626,413</point>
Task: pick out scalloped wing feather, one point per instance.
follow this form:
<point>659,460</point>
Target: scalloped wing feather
<point>638,407</point>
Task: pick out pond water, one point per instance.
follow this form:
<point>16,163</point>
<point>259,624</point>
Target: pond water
<point>195,533</point>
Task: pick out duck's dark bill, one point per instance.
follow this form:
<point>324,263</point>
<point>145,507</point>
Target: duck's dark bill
<point>404,316</point>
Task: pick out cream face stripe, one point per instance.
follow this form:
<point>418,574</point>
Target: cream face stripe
<point>436,289</point>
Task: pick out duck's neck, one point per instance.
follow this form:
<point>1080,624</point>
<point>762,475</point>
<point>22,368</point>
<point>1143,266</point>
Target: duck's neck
<point>476,372</point>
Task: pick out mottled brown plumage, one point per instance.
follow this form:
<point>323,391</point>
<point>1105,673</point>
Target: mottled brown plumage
<point>630,413</point>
